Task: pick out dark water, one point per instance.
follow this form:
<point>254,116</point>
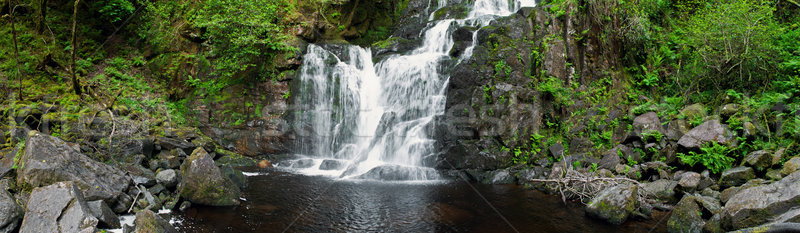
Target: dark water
<point>285,202</point>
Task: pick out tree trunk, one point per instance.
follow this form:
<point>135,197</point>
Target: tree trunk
<point>75,84</point>
<point>41,14</point>
<point>16,48</point>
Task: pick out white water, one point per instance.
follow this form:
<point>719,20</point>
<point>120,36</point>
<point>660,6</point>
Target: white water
<point>372,121</point>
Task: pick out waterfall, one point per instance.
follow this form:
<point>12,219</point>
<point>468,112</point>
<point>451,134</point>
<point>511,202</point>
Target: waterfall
<point>365,120</point>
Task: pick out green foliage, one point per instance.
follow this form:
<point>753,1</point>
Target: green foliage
<point>245,34</point>
<point>114,10</point>
<point>655,135</point>
<point>732,40</point>
<point>713,156</point>
<point>501,67</point>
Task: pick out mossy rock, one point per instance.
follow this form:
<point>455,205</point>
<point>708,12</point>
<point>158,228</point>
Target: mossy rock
<point>204,183</point>
<point>234,159</point>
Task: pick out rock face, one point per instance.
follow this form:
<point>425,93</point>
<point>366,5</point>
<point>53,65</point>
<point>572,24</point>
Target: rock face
<point>710,131</point>
<point>614,204</point>
<point>204,184</point>
<point>48,160</point>
<point>59,207</point>
<point>754,206</point>
<point>10,212</point>
<point>149,222</point>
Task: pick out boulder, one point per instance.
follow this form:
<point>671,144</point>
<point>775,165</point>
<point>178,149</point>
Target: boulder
<point>759,204</point>
<point>772,228</point>
<point>663,190</point>
<point>234,159</point>
<point>677,128</point>
<point>10,212</point>
<point>647,123</point>
<point>759,159</point>
<point>500,177</point>
<point>791,166</point>
<point>203,182</point>
<point>610,159</point>
<point>235,175</point>
<point>169,178</point>
<point>686,216</point>
<point>48,160</point>
<point>149,222</point>
<point>175,143</point>
<point>694,111</point>
<point>332,164</point>
<point>614,204</point>
<point>736,176</point>
<point>104,214</point>
<point>710,131</point>
<point>7,160</point>
<point>59,207</point>
<point>689,181</point>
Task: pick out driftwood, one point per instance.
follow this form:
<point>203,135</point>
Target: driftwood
<point>572,184</point>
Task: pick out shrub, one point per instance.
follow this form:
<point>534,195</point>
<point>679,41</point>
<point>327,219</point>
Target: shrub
<point>713,156</point>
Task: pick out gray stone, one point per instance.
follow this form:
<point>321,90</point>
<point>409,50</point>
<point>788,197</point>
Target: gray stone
<point>234,159</point>
<point>714,225</point>
<point>500,177</point>
<point>303,163</point>
<point>614,204</point>
<point>663,190</point>
<point>760,159</point>
<point>149,222</point>
<point>677,128</point>
<point>610,159</point>
<point>59,207</point>
<point>104,214</point>
<point>773,174</point>
<point>792,215</point>
<point>710,193</point>
<point>791,166</point>
<point>772,228</point>
<point>753,206</point>
<point>332,164</point>
<point>175,143</point>
<point>689,180</point>
<point>156,189</point>
<point>203,183</point>
<point>710,131</point>
<point>685,216</point>
<point>556,150</point>
<point>7,160</point>
<point>10,212</point>
<point>123,203</point>
<point>169,178</point>
<point>694,111</point>
<point>646,124</point>
<point>49,160</point>
<point>736,176</point>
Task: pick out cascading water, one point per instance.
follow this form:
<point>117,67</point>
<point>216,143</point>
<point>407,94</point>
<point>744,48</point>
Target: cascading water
<point>372,121</point>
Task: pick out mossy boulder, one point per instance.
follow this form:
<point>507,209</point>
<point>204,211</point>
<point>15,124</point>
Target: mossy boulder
<point>686,216</point>
<point>694,111</point>
<point>709,131</point>
<point>791,166</point>
<point>203,182</point>
<point>614,204</point>
<point>736,176</point>
<point>233,159</point>
<point>149,222</point>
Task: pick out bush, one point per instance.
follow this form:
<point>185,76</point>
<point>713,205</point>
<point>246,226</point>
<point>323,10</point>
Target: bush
<point>714,157</point>
<point>732,44</point>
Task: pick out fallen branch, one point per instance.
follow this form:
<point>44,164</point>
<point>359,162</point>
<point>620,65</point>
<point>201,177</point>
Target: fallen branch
<point>135,198</point>
<point>576,185</point>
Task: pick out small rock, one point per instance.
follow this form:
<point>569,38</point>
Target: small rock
<point>736,176</point>
<point>104,214</point>
<point>729,110</point>
<point>610,159</point>
<point>149,222</point>
<point>791,166</point>
<point>773,174</point>
<point>169,178</point>
<point>123,203</point>
<point>689,181</point>
<point>646,124</point>
<point>614,204</point>
<point>710,193</point>
<point>750,129</point>
<point>264,164</point>
<point>663,190</point>
<point>714,225</point>
<point>556,150</point>
<point>156,189</point>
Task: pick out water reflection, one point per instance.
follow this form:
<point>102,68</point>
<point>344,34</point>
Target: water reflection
<point>283,202</point>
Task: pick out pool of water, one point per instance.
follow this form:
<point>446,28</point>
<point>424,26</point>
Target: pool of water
<point>279,201</point>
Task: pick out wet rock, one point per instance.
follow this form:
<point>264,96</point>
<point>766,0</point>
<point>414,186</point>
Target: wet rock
<point>149,222</point>
<point>264,164</point>
<point>10,212</point>
<point>330,164</point>
<point>694,111</point>
<point>235,175</point>
<point>685,216</point>
<point>689,181</point>
<point>756,205</point>
<point>59,207</point>
<point>710,131</point>
<point>663,190</point>
<point>48,160</point>
<point>791,166</point>
<point>185,205</point>
<point>396,172</point>
<point>169,178</point>
<point>303,163</point>
<point>760,159</point>
<point>500,177</point>
<point>234,160</point>
<point>614,204</point>
<point>736,176</point>
<point>104,214</point>
<point>204,184</point>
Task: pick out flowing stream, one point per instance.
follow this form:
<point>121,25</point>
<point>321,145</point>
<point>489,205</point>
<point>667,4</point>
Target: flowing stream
<point>366,120</point>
